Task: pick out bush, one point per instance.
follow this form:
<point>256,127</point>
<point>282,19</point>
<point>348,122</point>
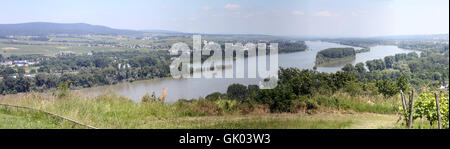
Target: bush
<point>237,92</point>
<point>216,96</point>
<point>279,99</point>
<point>63,89</point>
<point>387,88</point>
<point>226,106</point>
<point>426,107</point>
<point>354,88</point>
<point>310,103</point>
<point>148,98</point>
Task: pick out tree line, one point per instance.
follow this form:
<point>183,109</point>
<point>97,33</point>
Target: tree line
<point>388,76</point>
<point>102,68</point>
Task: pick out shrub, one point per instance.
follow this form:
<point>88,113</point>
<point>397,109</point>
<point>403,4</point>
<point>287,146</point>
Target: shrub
<point>387,88</point>
<point>426,107</point>
<point>279,99</point>
<point>226,106</point>
<point>148,98</point>
<point>63,89</point>
<point>216,96</point>
<point>237,92</point>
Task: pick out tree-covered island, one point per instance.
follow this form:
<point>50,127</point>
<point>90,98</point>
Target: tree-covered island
<point>333,56</point>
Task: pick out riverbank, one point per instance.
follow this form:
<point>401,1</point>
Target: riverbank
<point>195,88</point>
<point>115,112</point>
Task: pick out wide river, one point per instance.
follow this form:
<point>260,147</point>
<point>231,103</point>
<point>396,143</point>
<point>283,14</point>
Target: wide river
<point>195,88</point>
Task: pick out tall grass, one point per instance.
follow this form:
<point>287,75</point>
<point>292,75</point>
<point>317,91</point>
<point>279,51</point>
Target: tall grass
<point>112,111</point>
<point>361,103</point>
<point>105,111</point>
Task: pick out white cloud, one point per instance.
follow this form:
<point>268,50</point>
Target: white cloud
<point>325,14</point>
<point>232,6</point>
<point>299,13</point>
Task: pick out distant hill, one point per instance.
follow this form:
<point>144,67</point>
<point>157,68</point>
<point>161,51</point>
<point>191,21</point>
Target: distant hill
<point>47,28</point>
<point>417,37</point>
<point>156,31</point>
<point>44,28</point>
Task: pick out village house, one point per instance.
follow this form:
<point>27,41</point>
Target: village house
<point>24,63</point>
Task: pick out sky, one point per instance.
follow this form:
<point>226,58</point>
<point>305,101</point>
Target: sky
<point>321,18</point>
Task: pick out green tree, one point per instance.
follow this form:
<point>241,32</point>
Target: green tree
<point>8,71</point>
<point>377,64</point>
<point>342,79</point>
<point>253,91</point>
<point>389,60</point>
<point>348,68</point>
<point>403,83</point>
<point>23,84</point>
<point>237,92</point>
<point>360,68</point>
<point>279,99</point>
<point>20,71</point>
<point>387,87</point>
<point>412,55</point>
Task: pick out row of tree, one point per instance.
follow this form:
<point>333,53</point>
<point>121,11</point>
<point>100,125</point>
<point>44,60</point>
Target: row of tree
<point>102,68</point>
<point>386,76</point>
<point>430,68</point>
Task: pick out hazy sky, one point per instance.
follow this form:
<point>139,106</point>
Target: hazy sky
<point>276,17</point>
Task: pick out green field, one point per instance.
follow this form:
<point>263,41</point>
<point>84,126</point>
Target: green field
<point>80,45</point>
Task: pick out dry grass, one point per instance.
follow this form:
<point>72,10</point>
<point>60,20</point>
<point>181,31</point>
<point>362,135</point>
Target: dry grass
<point>112,111</point>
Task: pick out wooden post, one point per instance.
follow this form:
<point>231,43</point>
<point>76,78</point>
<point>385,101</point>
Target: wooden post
<point>411,109</point>
<point>438,110</point>
<point>404,106</point>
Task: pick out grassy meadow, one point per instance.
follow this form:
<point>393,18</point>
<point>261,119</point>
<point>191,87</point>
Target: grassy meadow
<point>109,111</point>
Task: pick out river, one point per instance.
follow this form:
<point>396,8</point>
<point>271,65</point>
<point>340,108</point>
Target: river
<point>195,88</point>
